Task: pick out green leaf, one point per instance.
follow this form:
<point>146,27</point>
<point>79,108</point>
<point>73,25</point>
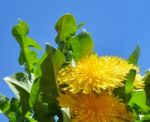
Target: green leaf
<point>41,113</point>
<point>29,42</point>
<point>11,109</point>
<point>134,56</point>
<point>125,91</point>
<point>139,98</point>
<point>21,86</point>
<point>82,45</point>
<point>129,82</point>
<point>147,87</point>
<point>58,58</point>
<point>146,117</point>
<point>4,104</point>
<point>28,57</point>
<point>20,30</point>
<point>81,25</point>
<point>14,114</point>
<point>21,80</point>
<point>120,92</point>
<point>46,84</point>
<point>138,121</point>
<point>45,89</point>
<point>65,27</point>
<point>29,118</point>
<point>34,92</point>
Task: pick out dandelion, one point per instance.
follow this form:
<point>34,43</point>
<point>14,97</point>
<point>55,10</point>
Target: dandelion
<point>95,73</point>
<point>139,83</point>
<point>95,108</point>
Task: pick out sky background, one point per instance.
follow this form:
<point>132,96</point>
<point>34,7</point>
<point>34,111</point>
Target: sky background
<point>117,27</point>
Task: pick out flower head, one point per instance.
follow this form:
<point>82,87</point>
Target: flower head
<point>95,73</point>
<point>95,108</point>
<point>138,82</point>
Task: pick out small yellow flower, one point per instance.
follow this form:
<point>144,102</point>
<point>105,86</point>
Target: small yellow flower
<point>95,73</point>
<point>95,108</point>
<point>139,83</point>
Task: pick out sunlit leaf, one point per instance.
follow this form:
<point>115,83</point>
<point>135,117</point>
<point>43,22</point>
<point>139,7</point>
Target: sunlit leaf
<point>134,56</point>
<point>21,86</point>
<point>47,82</point>
<point>125,91</point>
<point>65,27</point>
<point>146,117</point>
<point>28,57</point>
<point>21,80</point>
<point>147,87</point>
<point>20,30</point>
<point>29,117</point>
<point>29,42</point>
<point>45,90</point>
<point>82,45</point>
<point>58,58</point>
<point>14,114</point>
<point>4,104</point>
<point>129,82</point>
<point>81,25</point>
<point>11,109</point>
<point>139,98</point>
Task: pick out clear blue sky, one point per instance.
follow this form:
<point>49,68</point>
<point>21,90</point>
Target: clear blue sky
<point>117,26</point>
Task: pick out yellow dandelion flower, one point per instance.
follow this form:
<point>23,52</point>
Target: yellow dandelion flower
<point>95,108</point>
<point>95,73</point>
<point>138,82</point>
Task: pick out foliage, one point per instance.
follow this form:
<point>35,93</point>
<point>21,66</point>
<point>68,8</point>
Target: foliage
<point>37,88</point>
